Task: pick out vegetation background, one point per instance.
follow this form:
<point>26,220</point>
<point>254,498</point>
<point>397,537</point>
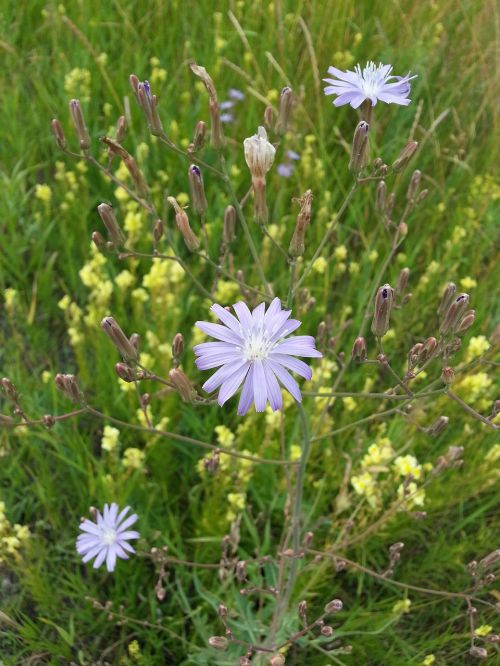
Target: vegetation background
<point>51,308</point>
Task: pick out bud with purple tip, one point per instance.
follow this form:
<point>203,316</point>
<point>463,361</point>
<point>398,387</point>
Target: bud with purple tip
<point>383,306</point>
<point>198,197</point>
<point>119,339</point>
<point>284,111</point>
<point>360,148</point>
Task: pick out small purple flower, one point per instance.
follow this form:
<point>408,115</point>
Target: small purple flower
<point>292,155</point>
<point>226,117</point>
<point>226,104</point>
<point>108,537</point>
<point>285,170</point>
<point>252,350</point>
<point>373,82</point>
<point>236,94</point>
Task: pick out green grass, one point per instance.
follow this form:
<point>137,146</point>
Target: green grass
<point>49,478</point>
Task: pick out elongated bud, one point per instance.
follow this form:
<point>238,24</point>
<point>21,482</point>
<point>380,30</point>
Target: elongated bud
<point>177,348</point>
<point>135,341</point>
<point>259,153</point>
<point>9,389</point>
<point>68,384</point>
<point>447,298</point>
<point>149,104</point>
<point>284,111</point>
<point>467,321</point>
<point>402,282</point>
<point>228,232</point>
<point>334,606</point>
<point>297,245</point>
<point>428,349</point>
<point>359,152</point>
<point>121,128</point>
<point>158,230</point>
<point>134,83</point>
<point>422,195</point>
<point>358,352</point>
<point>198,198</point>
<point>183,225</point>
<point>126,373</point>
<point>82,133</point>
<point>107,215</point>
<point>414,355</point>
<point>216,135</point>
<point>200,133</point>
<point>115,148</point>
<point>448,375</point>
<point>136,175</point>
<point>218,642</point>
<point>182,384</point>
<point>382,314</point>
<point>454,315</point>
<point>438,426</point>
<point>268,117</point>
<point>405,156</point>
<point>380,197</point>
<point>99,242</point>
<point>58,133</point>
<point>414,185</point>
<point>119,339</point>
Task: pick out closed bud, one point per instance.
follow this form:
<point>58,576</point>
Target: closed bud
<point>48,421</point>
<point>136,175</point>
<point>68,384</point>
<point>200,134</point>
<point>119,339</point>
<point>229,229</point>
<point>182,384</point>
<point>428,349</point>
<point>9,389</point>
<point>360,148</point>
<point>381,197</point>
<point>198,198</point>
<point>126,373</point>
<point>414,355</point>
<point>107,215</point>
<point>259,153</point>
<point>467,321</point>
<point>135,340</point>
<point>177,348</point>
<point>121,128</point>
<point>158,230</point>
<point>383,306</point>
<point>222,610</point>
<point>82,133</point>
<point>277,660</point>
<point>377,163</point>
<point>218,642</point>
<point>478,652</point>
<point>454,315</point>
<point>391,200</point>
<point>448,375</point>
<point>334,606</point>
<point>216,136</point>
<point>358,352</point>
<point>402,282</point>
<point>297,246</point>
<point>268,117</point>
<point>447,298</point>
<point>405,156</point>
<point>183,225</point>
<point>134,83</point>
<point>284,111</point>
<point>403,229</point>
<point>149,104</point>
<point>302,610</point>
<point>422,196</point>
<point>414,185</point>
<point>327,631</point>
<point>98,240</point>
<point>58,133</point>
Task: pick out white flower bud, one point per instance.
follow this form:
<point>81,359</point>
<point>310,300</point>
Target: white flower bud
<point>259,153</point>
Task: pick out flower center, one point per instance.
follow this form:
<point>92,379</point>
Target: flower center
<point>108,536</point>
<point>372,79</point>
<point>257,346</point>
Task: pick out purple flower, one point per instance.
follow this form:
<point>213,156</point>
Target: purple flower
<point>236,94</point>
<point>374,82</point>
<point>252,350</point>
<point>285,170</point>
<point>226,117</point>
<point>108,538</point>
<point>226,104</point>
<point>292,155</point>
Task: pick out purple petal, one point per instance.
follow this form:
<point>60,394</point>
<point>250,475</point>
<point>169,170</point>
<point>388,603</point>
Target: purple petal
<point>219,332</point>
<point>273,309</point>
<point>93,552</point>
<point>286,379</point>
<point>122,514</point>
<point>246,397</point>
<point>273,388</point>
<point>294,364</point>
<point>258,315</point>
<point>100,558</point>
<point>288,327</point>
<point>129,534</point>
<point>243,314</point>
<point>215,360</point>
<point>232,384</point>
<point>298,345</point>
<point>222,375</point>
<point>259,386</point>
<point>90,527</point>
<point>110,559</point>
<point>227,318</point>
<point>128,522</point>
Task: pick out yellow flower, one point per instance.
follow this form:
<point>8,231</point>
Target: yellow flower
<point>468,283</point>
<point>134,650</point>
<point>405,465</point>
<point>124,280</point>
<point>411,495</point>
<point>295,452</point>
<point>340,252</point>
<point>133,222</point>
<point>493,454</point>
<point>109,440</point>
<point>46,376</point>
<point>363,484</point>
<point>10,296</point>
<point>402,606</point>
<point>43,193</point>
<point>373,256</point>
<point>320,265</point>
<point>349,404</point>
<point>133,458</point>
<point>478,345</point>
<point>140,295</point>
<point>484,630</point>
<point>237,501</point>
<point>429,660</point>
<point>224,436</point>
<point>77,84</point>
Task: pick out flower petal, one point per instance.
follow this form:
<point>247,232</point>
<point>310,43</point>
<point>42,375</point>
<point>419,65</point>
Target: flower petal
<point>246,397</point>
<point>219,332</point>
<point>298,345</point>
<point>286,379</point>
<point>227,318</point>
<point>232,384</point>
<point>294,364</point>
<point>223,374</point>
<point>273,388</point>
<point>259,386</point>
<point>243,314</point>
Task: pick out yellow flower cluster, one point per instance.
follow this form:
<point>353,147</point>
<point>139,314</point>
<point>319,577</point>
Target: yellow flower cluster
<point>73,315</point>
<point>406,465</point>
<point>77,84</point>
<point>473,387</point>
<point>410,495</point>
<point>477,346</point>
<point>110,437</point>
<point>402,606</point>
<point>428,661</point>
<point>133,458</point>
<point>12,537</point>
<point>379,453</point>
<point>43,193</point>
<point>10,297</point>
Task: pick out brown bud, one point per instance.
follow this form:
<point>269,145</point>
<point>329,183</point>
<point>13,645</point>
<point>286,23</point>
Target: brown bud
<point>327,631</point>
<point>98,240</point>
<point>422,196</point>
<point>402,282</point>
<point>58,133</point>
<point>438,426</point>
<point>126,373</point>
<point>284,110</point>
<point>478,652</point>
<point>414,354</point>
<point>182,384</point>
<point>9,389</point>
<point>82,133</point>
<point>383,305</point>
<point>198,198</point>
<point>121,128</point>
<point>297,246</point>
<point>134,83</point>
<point>48,420</point>
<point>358,352</point>
<point>277,660</point>
<point>448,375</point>
<point>334,606</point>
<point>177,348</point>
<point>216,136</point>
<point>360,148</point>
<point>428,349</point>
<point>183,225</point>
<point>414,185</point>
<point>405,156</point>
<point>447,298</point>
<point>228,232</point>
<point>268,116</point>
<point>69,385</point>
<point>218,642</point>
<point>200,133</point>
<point>391,200</point>
<point>467,321</point>
<point>222,610</point>
<point>158,230</point>
<point>454,315</point>
<point>107,215</point>
<point>381,197</point>
<point>119,339</point>
<point>149,104</point>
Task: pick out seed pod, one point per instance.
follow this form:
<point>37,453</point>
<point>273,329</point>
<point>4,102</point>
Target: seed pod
<point>359,151</point>
<point>182,384</point>
<point>198,197</point>
<point>82,133</point>
<point>381,197</point>
<point>454,315</point>
<point>228,232</point>
<point>200,133</point>
<point>447,298</point>
<point>405,156</point>
<point>107,215</point>
<point>183,225</point>
<point>119,339</point>
<point>448,375</point>
<point>414,185</point>
<point>284,111</point>
<point>383,306</point>
<point>358,352</point>
<point>58,133</point>
<point>297,245</point>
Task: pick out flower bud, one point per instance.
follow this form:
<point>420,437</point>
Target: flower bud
<point>438,426</point>
<point>200,133</point>
<point>134,83</point>
<point>447,298</point>
<point>360,148</point>
<point>259,153</point>
<point>405,156</point>
<point>198,198</point>
<point>453,316</point>
<point>69,385</point>
<point>182,384</point>
<point>121,128</point>
<point>216,136</point>
<point>414,355</point>
<point>334,606</point>
<point>107,215</point>
<point>383,305</point>
<point>402,282</point>
<point>284,111</point>
<point>126,373</point>
<point>277,660</point>
<point>428,349</point>
<point>136,175</point>
<point>98,240</point>
<point>228,232</point>
<point>183,225</point>
<point>422,196</point>
<point>119,339</point>
<point>82,133</point>
<point>177,348</point>
<point>58,133</point>
<point>448,375</point>
<point>9,389</point>
<point>158,230</point>
<point>380,197</point>
<point>358,352</point>
<point>149,103</point>
<point>218,642</point>
<point>297,246</point>
<point>478,652</point>
<point>414,185</point>
<point>327,631</point>
<point>268,117</point>
<point>467,321</point>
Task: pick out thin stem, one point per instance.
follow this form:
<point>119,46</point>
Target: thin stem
<point>470,410</point>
